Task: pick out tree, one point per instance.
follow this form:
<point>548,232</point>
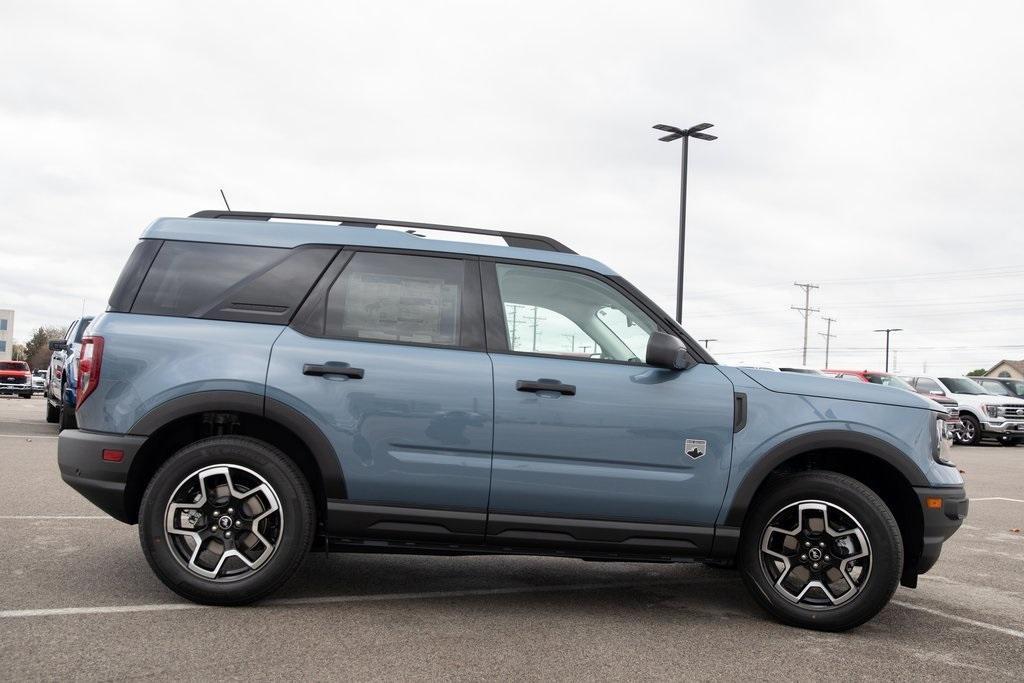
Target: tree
<point>37,352</point>
<point>980,372</point>
<point>18,351</point>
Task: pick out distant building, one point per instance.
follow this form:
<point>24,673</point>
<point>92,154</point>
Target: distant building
<point>1004,368</point>
<point>6,333</point>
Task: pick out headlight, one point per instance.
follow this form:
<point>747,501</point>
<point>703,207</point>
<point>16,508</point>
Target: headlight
<point>943,443</point>
<point>993,411</point>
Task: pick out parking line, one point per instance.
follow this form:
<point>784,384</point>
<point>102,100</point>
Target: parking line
<point>1011,500</point>
<point>336,599</point>
<point>57,517</point>
<point>963,620</point>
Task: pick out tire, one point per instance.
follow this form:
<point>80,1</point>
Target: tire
<point>66,418</point>
<point>288,528</point>
<point>851,505</point>
<point>52,411</point>
<point>1009,441</point>
<point>971,431</point>
<point>26,395</point>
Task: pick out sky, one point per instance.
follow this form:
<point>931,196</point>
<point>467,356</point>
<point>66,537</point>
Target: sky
<point>871,148</point>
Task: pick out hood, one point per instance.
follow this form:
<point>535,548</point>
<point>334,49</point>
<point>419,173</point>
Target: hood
<point>828,387</point>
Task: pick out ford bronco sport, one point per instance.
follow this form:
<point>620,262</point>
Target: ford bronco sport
<point>258,387</point>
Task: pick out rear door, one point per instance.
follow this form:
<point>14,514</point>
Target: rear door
<point>386,358</point>
<point>592,447</point>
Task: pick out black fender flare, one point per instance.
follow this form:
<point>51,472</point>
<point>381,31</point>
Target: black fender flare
<point>826,439</point>
<point>254,404</point>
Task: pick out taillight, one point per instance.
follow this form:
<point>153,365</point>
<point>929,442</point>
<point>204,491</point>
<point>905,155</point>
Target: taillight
<point>90,358</point>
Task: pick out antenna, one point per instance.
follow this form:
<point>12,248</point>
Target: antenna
<point>225,199</point>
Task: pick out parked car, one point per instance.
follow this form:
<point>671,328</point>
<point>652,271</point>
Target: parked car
<point>954,426</point>
<point>256,387</point>
<point>39,378</point>
<point>1014,387</point>
<point>982,414</point>
<point>799,369</point>
<point>63,375</point>
<point>15,378</point>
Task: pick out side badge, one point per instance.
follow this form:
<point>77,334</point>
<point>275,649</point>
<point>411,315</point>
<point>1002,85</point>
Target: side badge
<point>695,448</point>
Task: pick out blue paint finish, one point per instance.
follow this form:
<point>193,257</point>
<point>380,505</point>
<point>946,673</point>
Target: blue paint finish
<point>283,234</point>
<point>827,387</point>
<point>415,431</point>
<point>774,417</point>
<point>151,359</point>
<point>615,449</point>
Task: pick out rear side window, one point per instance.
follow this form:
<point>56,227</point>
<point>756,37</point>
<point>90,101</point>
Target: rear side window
<point>230,282</point>
<point>398,298</point>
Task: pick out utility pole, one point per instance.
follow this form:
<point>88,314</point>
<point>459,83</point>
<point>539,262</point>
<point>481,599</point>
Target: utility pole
<point>675,133</point>
<point>514,324</point>
<point>827,334</point>
<point>806,310</point>
<point>706,342</point>
<point>888,331</point>
<point>572,342</point>
<point>535,319</point>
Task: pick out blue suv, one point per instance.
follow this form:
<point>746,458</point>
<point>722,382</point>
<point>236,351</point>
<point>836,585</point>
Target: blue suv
<point>262,383</point>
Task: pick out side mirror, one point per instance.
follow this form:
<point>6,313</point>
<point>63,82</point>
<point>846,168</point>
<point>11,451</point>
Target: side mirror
<point>666,351</point>
<point>57,344</point>
<point>936,392</point>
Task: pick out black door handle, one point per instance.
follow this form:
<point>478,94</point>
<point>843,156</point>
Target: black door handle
<point>332,369</point>
<point>546,385</point>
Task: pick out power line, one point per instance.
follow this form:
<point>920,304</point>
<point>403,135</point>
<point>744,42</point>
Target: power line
<point>806,310</point>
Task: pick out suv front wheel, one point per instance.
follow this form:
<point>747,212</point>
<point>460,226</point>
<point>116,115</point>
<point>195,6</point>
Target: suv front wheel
<point>821,550</point>
<point>226,520</point>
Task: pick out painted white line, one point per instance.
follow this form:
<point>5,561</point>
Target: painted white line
<point>1011,500</point>
<point>27,436</point>
<point>29,517</point>
<point>963,620</point>
<point>336,599</point>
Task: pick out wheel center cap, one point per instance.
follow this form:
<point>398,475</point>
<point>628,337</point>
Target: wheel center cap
<point>814,554</point>
<point>224,522</point>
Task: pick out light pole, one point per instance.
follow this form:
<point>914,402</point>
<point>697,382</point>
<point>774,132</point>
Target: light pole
<point>888,331</point>
<point>674,134</point>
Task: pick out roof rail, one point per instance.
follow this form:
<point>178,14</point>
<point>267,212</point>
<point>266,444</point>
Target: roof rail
<point>512,239</point>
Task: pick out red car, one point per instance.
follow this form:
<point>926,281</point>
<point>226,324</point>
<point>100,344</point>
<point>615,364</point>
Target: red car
<point>15,378</point>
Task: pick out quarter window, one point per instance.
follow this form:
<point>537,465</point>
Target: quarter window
<point>570,314</point>
<point>398,298</point>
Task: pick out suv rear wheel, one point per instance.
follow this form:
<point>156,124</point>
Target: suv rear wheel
<point>820,550</point>
<point>226,521</point>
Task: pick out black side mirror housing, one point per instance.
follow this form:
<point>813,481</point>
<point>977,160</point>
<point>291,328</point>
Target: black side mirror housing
<point>666,351</point>
<point>57,344</point>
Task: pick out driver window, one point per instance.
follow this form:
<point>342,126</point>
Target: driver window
<point>558,312</point>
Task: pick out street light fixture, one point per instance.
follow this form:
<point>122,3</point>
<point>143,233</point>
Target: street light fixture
<point>675,134</point>
<point>888,331</point>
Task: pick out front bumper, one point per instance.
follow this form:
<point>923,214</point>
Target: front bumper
<point>15,388</point>
<point>1001,426</point>
<point>102,482</point>
<point>940,521</point>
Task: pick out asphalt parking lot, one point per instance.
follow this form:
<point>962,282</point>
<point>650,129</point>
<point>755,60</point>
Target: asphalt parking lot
<point>78,600</point>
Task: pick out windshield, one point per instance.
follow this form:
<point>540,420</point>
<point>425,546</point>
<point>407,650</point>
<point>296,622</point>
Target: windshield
<point>888,380</point>
<point>962,385</point>
<point>1017,387</point>
<point>997,388</point>
<point>13,365</point>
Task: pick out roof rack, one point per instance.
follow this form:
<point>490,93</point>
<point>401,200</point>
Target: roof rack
<point>512,239</point>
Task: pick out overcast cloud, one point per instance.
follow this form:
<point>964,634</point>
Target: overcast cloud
<point>871,148</point>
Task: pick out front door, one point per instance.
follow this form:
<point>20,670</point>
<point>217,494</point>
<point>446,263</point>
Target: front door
<point>592,447</point>
<point>387,361</point>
